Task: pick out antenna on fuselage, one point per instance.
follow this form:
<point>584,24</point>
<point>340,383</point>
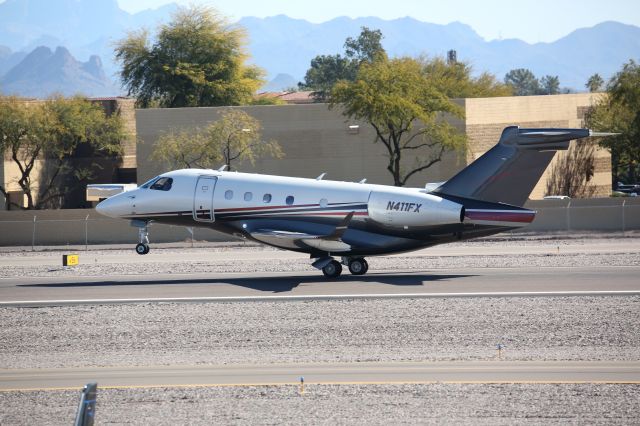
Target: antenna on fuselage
<point>222,168</point>
<point>363,180</point>
<point>321,176</point>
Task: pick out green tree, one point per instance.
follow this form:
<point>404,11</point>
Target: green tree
<point>595,83</point>
<point>197,59</point>
<point>235,136</point>
<point>403,104</point>
<point>50,132</point>
<point>549,85</point>
<point>326,70</point>
<point>455,79</point>
<point>523,82</point>
<point>366,48</point>
<point>619,111</point>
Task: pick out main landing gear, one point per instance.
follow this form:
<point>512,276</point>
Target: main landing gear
<point>143,236</point>
<point>331,268</point>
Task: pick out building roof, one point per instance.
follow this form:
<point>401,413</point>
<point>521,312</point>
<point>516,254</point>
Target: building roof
<point>109,98</point>
<point>302,97</point>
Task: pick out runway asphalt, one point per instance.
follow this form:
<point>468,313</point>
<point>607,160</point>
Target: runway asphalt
<point>466,282</point>
<point>498,371</point>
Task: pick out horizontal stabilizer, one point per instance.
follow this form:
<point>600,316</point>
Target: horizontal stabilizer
<point>601,134</point>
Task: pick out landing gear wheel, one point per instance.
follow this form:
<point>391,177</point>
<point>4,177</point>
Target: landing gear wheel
<point>142,248</point>
<point>332,269</point>
<point>358,266</point>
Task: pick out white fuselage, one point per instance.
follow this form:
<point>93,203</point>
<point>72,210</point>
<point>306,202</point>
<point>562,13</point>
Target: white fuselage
<point>319,217</point>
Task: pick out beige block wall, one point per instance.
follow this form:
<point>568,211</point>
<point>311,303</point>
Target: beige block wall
<point>314,139</point>
<point>127,111</point>
<point>486,117</point>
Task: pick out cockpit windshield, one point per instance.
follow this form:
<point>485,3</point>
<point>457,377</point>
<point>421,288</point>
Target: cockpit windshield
<point>148,183</point>
<point>158,183</point>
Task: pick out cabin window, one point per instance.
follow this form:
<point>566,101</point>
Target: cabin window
<point>228,194</point>
<point>266,198</point>
<point>324,203</point>
<point>248,196</point>
<point>290,200</point>
<point>162,184</point>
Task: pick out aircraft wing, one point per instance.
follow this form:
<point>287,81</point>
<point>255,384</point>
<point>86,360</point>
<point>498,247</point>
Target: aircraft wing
<point>330,242</point>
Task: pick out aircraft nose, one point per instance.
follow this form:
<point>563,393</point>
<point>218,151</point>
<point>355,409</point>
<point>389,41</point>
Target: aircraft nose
<point>111,207</point>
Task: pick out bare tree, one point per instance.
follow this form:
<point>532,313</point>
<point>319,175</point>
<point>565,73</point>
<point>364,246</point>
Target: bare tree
<point>571,175</point>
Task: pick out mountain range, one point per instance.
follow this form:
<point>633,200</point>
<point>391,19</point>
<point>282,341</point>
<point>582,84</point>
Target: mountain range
<point>283,45</point>
<point>43,72</point>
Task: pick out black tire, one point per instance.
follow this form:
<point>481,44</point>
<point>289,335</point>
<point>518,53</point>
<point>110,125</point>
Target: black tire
<point>358,266</point>
<point>333,269</point>
<point>142,248</point>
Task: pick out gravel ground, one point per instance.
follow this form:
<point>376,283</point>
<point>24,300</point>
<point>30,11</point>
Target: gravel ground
<point>555,328</point>
<point>557,256</point>
<point>296,265</point>
<point>331,404</point>
<point>560,328</point>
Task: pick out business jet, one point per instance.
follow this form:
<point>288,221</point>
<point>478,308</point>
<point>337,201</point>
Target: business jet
<point>351,220</point>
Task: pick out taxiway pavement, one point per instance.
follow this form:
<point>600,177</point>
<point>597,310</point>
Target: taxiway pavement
<point>498,371</point>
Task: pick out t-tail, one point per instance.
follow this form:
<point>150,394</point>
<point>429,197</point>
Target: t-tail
<point>509,171</point>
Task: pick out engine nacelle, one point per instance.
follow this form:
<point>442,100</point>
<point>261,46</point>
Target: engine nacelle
<point>399,209</point>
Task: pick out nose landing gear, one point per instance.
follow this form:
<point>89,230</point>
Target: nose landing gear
<point>143,236</point>
<point>142,248</point>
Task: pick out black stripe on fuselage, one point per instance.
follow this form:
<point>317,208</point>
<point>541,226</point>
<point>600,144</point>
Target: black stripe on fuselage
<point>250,213</point>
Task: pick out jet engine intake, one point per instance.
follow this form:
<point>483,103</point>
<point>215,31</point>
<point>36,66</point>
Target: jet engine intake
<point>398,209</point>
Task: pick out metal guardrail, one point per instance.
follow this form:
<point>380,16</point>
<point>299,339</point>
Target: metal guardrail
<point>86,413</point>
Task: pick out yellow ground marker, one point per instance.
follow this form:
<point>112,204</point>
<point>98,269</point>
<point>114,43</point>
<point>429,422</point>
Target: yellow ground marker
<point>70,259</point>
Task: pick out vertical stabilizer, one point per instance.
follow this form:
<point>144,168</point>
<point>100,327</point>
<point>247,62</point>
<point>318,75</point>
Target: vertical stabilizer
<point>509,171</point>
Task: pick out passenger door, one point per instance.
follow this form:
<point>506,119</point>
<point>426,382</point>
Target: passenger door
<point>203,199</point>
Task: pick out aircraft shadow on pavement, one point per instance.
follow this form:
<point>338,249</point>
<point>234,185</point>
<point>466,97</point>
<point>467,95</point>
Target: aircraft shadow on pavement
<point>278,284</point>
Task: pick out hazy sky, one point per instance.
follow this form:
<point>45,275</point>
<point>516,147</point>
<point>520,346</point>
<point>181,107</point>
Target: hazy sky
<point>532,21</point>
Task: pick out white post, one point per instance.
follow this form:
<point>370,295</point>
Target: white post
<point>569,216</point>
<point>623,219</point>
<point>86,233</point>
<point>33,235</point>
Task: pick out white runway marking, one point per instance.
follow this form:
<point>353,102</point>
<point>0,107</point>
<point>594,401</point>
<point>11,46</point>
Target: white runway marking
<point>19,303</point>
